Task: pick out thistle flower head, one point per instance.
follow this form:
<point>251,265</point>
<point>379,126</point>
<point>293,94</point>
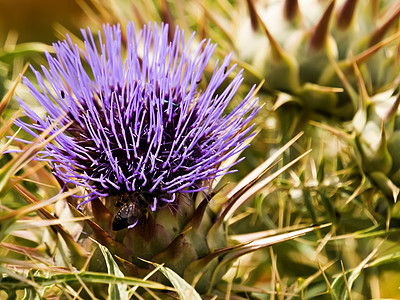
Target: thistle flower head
<point>138,120</point>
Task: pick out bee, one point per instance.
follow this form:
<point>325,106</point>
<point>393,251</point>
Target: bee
<point>130,212</point>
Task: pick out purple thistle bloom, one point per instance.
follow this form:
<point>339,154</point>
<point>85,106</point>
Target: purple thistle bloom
<point>139,124</point>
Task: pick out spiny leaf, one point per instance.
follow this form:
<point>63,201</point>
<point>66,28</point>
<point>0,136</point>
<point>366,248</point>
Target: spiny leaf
<point>14,279</point>
<point>341,285</point>
<point>199,267</point>
<point>22,158</point>
<point>178,245</point>
<point>366,54</point>
<point>93,277</point>
<point>118,290</point>
<point>105,239</point>
<point>253,175</point>
<point>308,281</point>
<point>320,32</point>
<point>7,97</point>
<point>78,253</point>
<point>24,49</point>
<point>385,259</point>
<point>185,291</point>
<point>35,253</point>
<point>251,246</point>
<point>379,230</point>
<point>259,185</point>
<point>27,209</point>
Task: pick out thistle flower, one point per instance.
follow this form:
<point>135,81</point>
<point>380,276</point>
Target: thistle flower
<point>139,126</point>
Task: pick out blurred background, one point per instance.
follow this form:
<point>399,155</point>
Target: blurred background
<point>34,21</point>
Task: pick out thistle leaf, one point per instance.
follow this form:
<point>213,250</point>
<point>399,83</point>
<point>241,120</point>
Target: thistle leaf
<point>20,282</point>
<point>320,32</point>
<point>344,282</point>
<point>185,291</point>
<point>249,246</point>
<point>7,96</point>
<point>24,49</point>
<point>118,290</point>
<point>20,160</point>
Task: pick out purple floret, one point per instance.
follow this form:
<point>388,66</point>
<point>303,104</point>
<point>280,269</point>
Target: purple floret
<point>139,121</point>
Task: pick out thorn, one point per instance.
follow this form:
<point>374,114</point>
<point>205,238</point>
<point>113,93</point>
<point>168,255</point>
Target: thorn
<point>343,78</point>
<point>393,110</point>
<point>366,54</point>
<point>320,225</point>
<point>277,51</point>
<point>364,97</point>
<point>346,14</point>
<point>320,32</point>
<point>253,15</point>
<point>380,32</point>
<point>7,97</point>
<point>290,9</point>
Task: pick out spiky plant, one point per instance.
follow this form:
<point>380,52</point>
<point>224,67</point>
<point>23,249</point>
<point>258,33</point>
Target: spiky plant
<point>147,146</point>
<point>374,135</point>
<point>360,251</point>
<point>301,39</point>
<point>314,56</point>
<point>339,59</point>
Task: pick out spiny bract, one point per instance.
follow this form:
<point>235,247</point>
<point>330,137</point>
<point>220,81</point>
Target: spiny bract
<point>376,138</point>
<point>331,57</point>
<point>298,46</point>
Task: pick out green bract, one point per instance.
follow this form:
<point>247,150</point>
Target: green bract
<point>377,140</point>
<point>298,46</point>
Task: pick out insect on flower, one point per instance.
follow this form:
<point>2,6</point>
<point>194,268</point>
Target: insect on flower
<point>130,212</point>
<point>139,126</point>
